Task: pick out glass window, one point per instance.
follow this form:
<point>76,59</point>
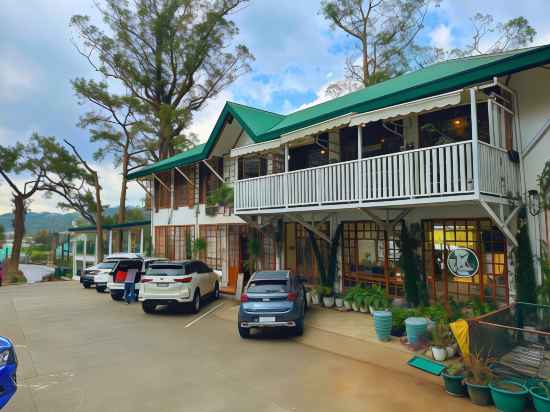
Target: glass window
<point>268,286</point>
<point>165,270</point>
<point>381,138</point>
<point>452,125</point>
<point>106,265</point>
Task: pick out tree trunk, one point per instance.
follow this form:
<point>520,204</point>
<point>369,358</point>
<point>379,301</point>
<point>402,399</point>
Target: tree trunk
<point>165,138</point>
<point>122,202</point>
<point>98,219</point>
<point>18,231</point>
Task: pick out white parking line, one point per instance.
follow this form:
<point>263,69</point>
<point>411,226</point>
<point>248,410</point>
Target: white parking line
<point>203,315</point>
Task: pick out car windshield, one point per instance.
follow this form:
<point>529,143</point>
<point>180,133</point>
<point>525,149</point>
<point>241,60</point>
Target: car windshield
<point>268,286</point>
<point>106,265</point>
<point>165,270</point>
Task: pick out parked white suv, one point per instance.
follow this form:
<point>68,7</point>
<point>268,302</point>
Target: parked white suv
<point>118,274</point>
<point>178,283</point>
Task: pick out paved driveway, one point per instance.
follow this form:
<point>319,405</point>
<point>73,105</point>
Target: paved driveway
<point>81,351</point>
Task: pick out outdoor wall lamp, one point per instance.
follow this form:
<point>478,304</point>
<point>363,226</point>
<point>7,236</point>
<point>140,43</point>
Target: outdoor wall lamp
<point>533,202</point>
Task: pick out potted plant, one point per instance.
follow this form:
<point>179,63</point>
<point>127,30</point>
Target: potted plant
<point>328,297</point>
<point>453,379</point>
<point>377,298</point>
<point>398,321</point>
<point>349,298</point>
<point>509,396</point>
<point>316,295</point>
<point>541,396</point>
<point>308,296</point>
<point>440,341</point>
<point>360,300</point>
<point>339,300</point>
<point>477,377</point>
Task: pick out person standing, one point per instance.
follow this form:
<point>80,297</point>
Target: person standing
<point>130,286</point>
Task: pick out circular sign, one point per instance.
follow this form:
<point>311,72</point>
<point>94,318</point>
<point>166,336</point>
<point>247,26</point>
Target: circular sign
<point>462,262</point>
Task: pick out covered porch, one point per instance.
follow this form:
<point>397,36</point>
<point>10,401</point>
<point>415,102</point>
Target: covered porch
<point>454,147</point>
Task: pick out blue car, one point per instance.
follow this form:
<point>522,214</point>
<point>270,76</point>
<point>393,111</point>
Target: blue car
<point>273,299</point>
<point>8,369</point>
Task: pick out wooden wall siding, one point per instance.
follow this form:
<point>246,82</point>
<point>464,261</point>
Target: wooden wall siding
<point>184,193</point>
<point>434,171</point>
<point>499,176</point>
<point>162,197</point>
<point>174,242</point>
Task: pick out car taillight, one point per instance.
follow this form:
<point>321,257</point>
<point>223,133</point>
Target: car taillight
<point>183,280</point>
<point>292,295</point>
<point>145,280</point>
<point>244,297</point>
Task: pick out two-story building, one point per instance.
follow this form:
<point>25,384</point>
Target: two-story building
<point>450,149</point>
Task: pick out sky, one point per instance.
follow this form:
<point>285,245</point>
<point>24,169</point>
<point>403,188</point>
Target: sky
<point>296,56</point>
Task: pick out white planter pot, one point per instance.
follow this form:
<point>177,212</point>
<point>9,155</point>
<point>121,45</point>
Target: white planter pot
<point>363,309</point>
<point>339,302</point>
<point>328,301</point>
<point>308,298</point>
<point>451,351</point>
<point>347,304</point>
<point>371,309</point>
<point>355,307</point>
<point>315,299</point>
<point>440,354</point>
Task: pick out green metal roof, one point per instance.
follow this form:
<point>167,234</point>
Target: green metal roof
<point>438,78</point>
<point>435,79</point>
<point>136,223</point>
<point>254,121</point>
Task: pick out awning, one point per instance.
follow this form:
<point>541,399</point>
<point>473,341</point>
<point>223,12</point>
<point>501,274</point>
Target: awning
<point>255,148</point>
<point>416,106</point>
<point>317,128</point>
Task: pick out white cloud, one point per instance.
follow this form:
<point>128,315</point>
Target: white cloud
<point>18,76</point>
<point>204,120</point>
<point>441,37</point>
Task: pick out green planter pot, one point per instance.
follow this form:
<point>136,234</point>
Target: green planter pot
<point>454,384</point>
<point>507,399</point>
<point>382,325</point>
<point>542,403</point>
<point>479,394</point>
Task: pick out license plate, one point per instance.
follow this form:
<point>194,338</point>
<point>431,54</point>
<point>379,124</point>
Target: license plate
<point>162,285</point>
<point>266,319</point>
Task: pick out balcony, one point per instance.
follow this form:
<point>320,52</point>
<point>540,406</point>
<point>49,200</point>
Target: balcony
<point>450,172</point>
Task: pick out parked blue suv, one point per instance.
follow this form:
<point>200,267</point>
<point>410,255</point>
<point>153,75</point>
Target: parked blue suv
<point>8,369</point>
<point>273,299</point>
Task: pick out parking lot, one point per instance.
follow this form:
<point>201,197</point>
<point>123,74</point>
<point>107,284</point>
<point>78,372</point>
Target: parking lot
<point>81,351</point>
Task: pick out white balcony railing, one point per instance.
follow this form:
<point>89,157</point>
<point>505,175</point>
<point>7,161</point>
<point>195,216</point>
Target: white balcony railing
<point>432,172</point>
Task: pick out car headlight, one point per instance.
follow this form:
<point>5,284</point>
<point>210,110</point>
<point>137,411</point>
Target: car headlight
<point>4,357</point>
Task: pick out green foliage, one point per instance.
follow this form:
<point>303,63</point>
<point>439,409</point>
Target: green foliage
<point>222,196</point>
<point>399,315</point>
<point>199,245</point>
<point>410,264</point>
<point>43,237</point>
<point>478,308</point>
<point>525,270</point>
<point>441,335</point>
<point>171,56</point>
<point>350,294</point>
<point>436,313</point>
<point>543,291</point>
<point>327,278</point>
<point>478,371</point>
<point>455,368</point>
<point>324,291</point>
<point>377,297</point>
<point>544,186</point>
<point>385,33</point>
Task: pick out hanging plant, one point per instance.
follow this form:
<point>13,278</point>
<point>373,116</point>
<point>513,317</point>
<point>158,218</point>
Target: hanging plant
<point>222,196</point>
<point>415,285</point>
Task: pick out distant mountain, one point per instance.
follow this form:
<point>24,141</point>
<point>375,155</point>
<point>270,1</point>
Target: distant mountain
<point>53,222</point>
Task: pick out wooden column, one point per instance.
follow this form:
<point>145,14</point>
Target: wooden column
<point>475,139</point>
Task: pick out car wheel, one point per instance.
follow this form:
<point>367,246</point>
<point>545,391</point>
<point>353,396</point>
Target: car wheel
<point>299,328</point>
<point>244,332</point>
<point>217,291</point>
<point>100,289</point>
<point>196,305</point>
<point>86,285</point>
<point>148,307</point>
<point>117,296</point>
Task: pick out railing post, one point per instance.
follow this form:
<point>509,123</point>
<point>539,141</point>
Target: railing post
<point>286,175</point>
<point>359,189</point>
<point>475,140</point>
